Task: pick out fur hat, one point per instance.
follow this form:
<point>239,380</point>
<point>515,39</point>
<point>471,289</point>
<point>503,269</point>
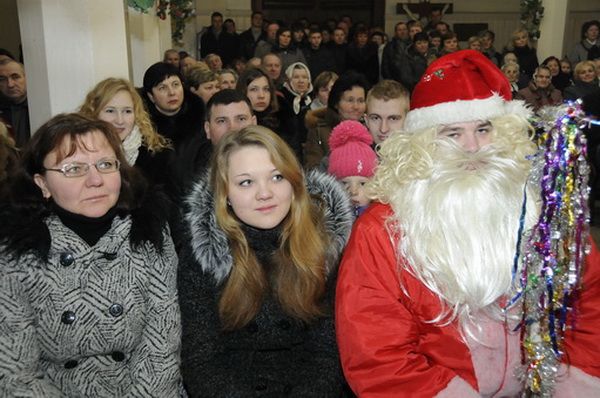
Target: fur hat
<point>461,87</point>
<point>351,152</point>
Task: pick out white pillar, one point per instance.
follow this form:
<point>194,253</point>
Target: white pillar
<point>552,29</point>
<point>69,45</point>
<point>149,37</point>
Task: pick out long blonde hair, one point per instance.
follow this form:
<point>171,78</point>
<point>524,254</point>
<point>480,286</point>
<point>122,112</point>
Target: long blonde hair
<point>104,91</point>
<point>299,276</point>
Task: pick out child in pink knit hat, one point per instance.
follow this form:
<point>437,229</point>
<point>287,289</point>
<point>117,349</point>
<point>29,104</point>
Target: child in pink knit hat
<point>352,160</point>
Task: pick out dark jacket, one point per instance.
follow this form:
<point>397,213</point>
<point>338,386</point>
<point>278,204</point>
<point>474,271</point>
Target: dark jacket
<point>538,97</point>
<point>274,355</point>
<point>339,54</point>
<point>288,55</point>
<point>319,123</point>
<point>580,89</point>
<point>319,60</point>
<point>186,132</point>
<point>81,321</point>
<point>412,68</point>
<point>16,118</point>
<point>248,44</point>
<point>394,56</point>
<point>561,81</point>
<point>493,56</point>
<point>225,45</point>
<point>281,122</point>
<point>298,130</point>
<point>364,60</point>
<point>527,59</point>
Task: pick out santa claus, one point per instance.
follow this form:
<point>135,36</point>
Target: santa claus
<point>428,294</point>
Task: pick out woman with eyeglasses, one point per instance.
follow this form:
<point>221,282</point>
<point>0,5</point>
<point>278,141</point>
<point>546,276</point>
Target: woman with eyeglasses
<point>347,101</point>
<point>88,301</point>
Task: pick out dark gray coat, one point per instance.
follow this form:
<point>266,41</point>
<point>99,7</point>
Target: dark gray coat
<point>274,355</point>
<point>99,321</point>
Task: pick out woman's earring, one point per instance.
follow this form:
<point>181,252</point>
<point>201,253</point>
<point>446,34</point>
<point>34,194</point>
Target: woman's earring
<point>228,202</point>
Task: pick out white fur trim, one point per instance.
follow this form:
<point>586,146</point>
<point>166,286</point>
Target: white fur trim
<point>463,111</point>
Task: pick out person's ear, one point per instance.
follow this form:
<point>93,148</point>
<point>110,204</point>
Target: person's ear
<point>151,97</point>
<point>253,121</point>
<point>207,129</point>
<point>40,181</point>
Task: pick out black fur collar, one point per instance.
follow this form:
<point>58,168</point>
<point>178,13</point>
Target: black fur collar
<point>23,215</point>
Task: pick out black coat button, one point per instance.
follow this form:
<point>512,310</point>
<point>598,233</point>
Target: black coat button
<point>110,256</point>
<point>252,327</point>
<point>68,317</point>
<point>260,387</point>
<point>284,324</point>
<point>118,356</point>
<point>116,310</point>
<point>70,364</point>
<point>66,259</point>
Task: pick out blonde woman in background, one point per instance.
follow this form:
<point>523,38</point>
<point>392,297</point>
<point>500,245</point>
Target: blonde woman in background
<point>117,102</point>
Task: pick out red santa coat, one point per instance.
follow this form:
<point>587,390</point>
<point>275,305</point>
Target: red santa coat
<point>389,349</point>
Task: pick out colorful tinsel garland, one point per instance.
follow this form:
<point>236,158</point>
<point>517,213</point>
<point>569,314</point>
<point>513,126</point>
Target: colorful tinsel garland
<point>555,248</point>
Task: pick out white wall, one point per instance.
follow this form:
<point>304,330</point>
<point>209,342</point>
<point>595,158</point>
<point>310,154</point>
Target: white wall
<point>69,45</point>
<point>149,37</point>
<point>10,37</point>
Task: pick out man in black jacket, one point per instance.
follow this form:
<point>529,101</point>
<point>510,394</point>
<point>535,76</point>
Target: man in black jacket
<point>216,40</point>
<point>318,57</point>
<point>394,52</point>
<point>250,38</point>
<point>14,110</point>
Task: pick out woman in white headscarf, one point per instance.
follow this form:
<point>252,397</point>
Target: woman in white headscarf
<point>297,98</point>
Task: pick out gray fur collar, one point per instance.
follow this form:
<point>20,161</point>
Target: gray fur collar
<point>209,244</point>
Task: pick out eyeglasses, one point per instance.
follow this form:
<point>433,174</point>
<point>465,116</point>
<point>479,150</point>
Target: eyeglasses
<point>79,169</point>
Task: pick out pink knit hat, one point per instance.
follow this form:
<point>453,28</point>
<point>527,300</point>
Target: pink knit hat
<point>351,153</point>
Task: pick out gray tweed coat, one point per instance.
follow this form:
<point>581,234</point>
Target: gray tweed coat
<point>99,321</point>
<point>274,355</point>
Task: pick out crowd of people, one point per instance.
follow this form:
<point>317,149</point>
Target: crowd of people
<point>184,238</point>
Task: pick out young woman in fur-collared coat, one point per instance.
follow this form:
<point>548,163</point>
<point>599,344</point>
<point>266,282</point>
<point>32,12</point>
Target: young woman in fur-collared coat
<point>88,301</point>
<point>256,281</point>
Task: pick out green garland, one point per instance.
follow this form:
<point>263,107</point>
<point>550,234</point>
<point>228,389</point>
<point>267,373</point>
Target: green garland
<point>531,16</point>
<point>181,11</point>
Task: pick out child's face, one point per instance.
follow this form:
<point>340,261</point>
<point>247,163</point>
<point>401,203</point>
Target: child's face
<point>355,185</point>
<point>565,67</point>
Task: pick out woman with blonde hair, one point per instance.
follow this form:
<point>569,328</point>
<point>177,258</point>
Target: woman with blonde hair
<point>117,102</point>
<point>202,82</point>
<point>228,78</point>
<point>526,55</point>
<point>256,278</point>
<point>585,81</point>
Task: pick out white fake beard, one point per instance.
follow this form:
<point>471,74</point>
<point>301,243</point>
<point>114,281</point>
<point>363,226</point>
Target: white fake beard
<point>459,228</point>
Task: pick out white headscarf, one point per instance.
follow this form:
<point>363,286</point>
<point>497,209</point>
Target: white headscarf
<point>297,96</point>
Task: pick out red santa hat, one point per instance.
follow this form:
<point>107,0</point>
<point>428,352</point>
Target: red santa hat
<point>461,87</point>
